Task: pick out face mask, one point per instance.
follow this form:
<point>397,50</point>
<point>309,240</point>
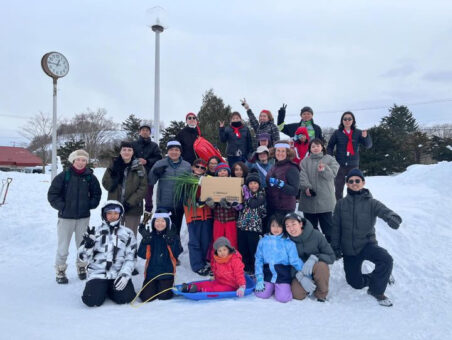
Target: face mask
<point>236,124</point>
<point>192,126</point>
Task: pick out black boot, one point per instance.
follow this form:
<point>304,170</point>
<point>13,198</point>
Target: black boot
<point>61,277</point>
<point>81,271</point>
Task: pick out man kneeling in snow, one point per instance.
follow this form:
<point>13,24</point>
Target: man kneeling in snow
<point>354,235</point>
<point>111,252</point>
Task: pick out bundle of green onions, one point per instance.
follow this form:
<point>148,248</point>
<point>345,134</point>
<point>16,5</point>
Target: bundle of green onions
<point>185,189</point>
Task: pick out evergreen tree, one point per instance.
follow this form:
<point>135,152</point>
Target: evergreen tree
<point>400,121</point>
<point>131,125</point>
<point>212,111</point>
<point>442,148</point>
<point>68,147</point>
<point>170,133</point>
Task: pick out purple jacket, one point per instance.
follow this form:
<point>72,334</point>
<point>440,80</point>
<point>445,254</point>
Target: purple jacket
<point>284,198</point>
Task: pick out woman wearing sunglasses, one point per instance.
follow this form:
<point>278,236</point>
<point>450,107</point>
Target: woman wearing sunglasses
<point>187,137</point>
<point>346,139</point>
<point>353,236</point>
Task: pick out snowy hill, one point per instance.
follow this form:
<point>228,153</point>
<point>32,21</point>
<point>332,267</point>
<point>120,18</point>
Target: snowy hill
<point>33,306</point>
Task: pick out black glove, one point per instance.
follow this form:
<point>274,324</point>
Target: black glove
<point>144,232</point>
<point>338,254</point>
<point>159,171</point>
<point>281,114</point>
<point>89,239</point>
<point>312,192</point>
<point>394,221</point>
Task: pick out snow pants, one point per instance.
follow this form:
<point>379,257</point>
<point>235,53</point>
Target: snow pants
<point>226,229</point>
<point>378,279</point>
<point>247,242</point>
<point>155,287</point>
<point>321,277</point>
<point>199,239</point>
<point>214,286</point>
<point>339,181</point>
<point>282,291</point>
<point>65,228</point>
<point>97,290</point>
<point>324,219</point>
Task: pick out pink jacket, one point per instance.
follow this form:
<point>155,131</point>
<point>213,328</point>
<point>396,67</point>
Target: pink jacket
<point>229,270</point>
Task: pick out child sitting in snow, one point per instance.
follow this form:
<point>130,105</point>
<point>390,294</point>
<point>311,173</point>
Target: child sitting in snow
<point>160,247</point>
<point>227,268</point>
<point>110,251</point>
<point>249,224</point>
<point>274,256</point>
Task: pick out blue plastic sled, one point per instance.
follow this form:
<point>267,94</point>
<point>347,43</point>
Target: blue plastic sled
<point>250,284</point>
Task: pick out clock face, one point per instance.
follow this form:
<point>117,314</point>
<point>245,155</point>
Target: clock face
<point>57,64</point>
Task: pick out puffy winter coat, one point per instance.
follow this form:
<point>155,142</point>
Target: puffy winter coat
<point>322,182</point>
<point>114,253</point>
<point>340,140</point>
<point>253,211</point>
<point>73,195</point>
<point>301,148</point>
<point>275,255</point>
<point>229,271</point>
<point>160,252</point>
<point>262,169</point>
<point>267,127</point>
<point>186,138</point>
<point>289,129</point>
<point>242,146</point>
<point>128,188</point>
<point>354,221</point>
<point>165,189</point>
<point>147,149</point>
<point>283,199</point>
<point>312,242</point>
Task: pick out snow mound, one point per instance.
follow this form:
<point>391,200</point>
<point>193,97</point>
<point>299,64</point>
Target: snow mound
<point>35,307</point>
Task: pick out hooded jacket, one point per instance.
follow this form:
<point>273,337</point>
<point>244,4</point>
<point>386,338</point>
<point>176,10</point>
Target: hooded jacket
<point>354,221</point>
<point>229,271</point>
<point>147,149</point>
<point>187,137</point>
<point>322,182</point>
<point>301,148</point>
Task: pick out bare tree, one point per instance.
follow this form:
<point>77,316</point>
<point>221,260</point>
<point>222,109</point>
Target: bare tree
<point>38,130</point>
<point>92,127</point>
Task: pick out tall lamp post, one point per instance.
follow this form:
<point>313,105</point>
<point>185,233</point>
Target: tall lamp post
<point>55,65</point>
<point>156,13</point>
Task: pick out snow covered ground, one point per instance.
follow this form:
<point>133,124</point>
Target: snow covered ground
<point>34,306</point>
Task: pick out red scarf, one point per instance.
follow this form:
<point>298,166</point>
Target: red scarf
<point>350,150</point>
<point>237,131</point>
<point>78,172</point>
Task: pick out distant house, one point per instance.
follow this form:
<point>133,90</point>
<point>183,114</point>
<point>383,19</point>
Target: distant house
<point>12,158</point>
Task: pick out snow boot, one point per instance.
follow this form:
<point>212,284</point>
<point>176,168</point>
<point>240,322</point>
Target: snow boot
<point>61,274</point>
<point>382,299</point>
<point>189,288</point>
<point>81,271</point>
<point>204,271</point>
<point>135,272</point>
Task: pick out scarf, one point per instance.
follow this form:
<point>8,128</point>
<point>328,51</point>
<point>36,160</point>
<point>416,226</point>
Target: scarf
<point>222,259</point>
<point>350,150</point>
<point>237,130</point>
<point>308,125</point>
<point>78,172</point>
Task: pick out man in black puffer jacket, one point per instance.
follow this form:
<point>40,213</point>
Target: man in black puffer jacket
<point>353,235</point>
<point>73,192</point>
<point>147,152</point>
<point>306,115</point>
<point>188,136</point>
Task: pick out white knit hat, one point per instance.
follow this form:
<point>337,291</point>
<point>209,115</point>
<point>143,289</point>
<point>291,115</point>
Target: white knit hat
<point>78,154</point>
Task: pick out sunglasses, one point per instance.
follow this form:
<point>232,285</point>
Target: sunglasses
<point>347,119</point>
<point>191,118</point>
<point>200,167</point>
<point>356,181</point>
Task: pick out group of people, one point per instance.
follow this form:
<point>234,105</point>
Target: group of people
<point>288,253</point>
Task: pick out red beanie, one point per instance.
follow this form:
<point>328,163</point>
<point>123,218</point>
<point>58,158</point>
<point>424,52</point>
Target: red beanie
<point>190,114</point>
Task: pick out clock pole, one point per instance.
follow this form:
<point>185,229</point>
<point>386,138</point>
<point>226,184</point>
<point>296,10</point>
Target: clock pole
<point>54,128</point>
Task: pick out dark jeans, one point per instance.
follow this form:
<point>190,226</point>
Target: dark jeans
<point>247,242</point>
<point>155,287</point>
<point>148,206</point>
<point>378,279</point>
<point>199,239</point>
<point>339,181</point>
<point>325,220</point>
<point>97,290</point>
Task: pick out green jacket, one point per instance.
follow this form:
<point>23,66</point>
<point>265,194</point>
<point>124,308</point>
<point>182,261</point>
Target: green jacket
<point>131,190</point>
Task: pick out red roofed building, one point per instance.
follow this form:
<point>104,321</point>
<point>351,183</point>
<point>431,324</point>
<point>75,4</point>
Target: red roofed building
<point>17,158</point>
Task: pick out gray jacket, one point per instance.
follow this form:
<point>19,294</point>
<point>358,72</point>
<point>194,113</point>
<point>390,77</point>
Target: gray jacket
<point>354,221</point>
<point>165,189</point>
<point>312,242</point>
<point>114,253</point>
<point>322,182</point>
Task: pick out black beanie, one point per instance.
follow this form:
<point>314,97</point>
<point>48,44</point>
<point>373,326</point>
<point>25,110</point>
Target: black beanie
<point>355,172</point>
<point>253,176</point>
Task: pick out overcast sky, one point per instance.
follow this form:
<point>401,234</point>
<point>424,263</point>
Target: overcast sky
<point>330,55</point>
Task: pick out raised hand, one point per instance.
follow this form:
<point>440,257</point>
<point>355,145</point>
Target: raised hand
<point>244,104</point>
<point>221,123</point>
<point>321,166</point>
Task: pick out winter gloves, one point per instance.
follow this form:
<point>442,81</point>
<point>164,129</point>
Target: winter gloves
<point>394,221</point>
<point>159,171</point>
<point>147,235</point>
<point>260,284</point>
<point>240,292</point>
<point>121,282</point>
<point>89,239</point>
<point>306,282</point>
<point>274,182</point>
<point>338,254</point>
<point>210,202</point>
<point>309,265</point>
